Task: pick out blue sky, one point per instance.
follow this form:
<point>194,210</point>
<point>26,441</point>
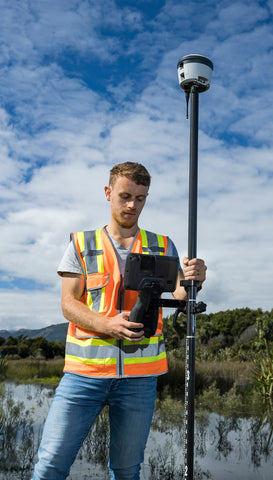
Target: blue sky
<point>86,84</point>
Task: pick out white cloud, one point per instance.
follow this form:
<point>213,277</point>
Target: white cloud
<point>238,17</point>
<point>22,310</point>
<point>49,28</point>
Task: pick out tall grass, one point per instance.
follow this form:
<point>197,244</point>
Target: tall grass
<point>223,374</point>
<point>3,368</point>
<point>35,371</point>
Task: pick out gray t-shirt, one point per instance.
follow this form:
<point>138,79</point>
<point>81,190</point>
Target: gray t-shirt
<point>70,262</point>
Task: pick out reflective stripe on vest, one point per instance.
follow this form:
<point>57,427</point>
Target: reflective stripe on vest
<point>98,355</point>
<point>147,243</point>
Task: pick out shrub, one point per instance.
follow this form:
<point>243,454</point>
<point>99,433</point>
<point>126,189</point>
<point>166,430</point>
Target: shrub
<point>263,370</point>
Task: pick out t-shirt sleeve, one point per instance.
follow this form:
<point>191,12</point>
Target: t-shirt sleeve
<point>172,251</point>
<point>70,262</point>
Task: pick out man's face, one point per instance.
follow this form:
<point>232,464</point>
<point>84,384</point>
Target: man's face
<point>127,201</point>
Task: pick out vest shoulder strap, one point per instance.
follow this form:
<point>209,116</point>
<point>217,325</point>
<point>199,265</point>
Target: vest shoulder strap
<point>88,246</point>
<point>153,243</point>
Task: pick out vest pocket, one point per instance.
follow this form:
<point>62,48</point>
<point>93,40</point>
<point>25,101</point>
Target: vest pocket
<point>95,286</point>
<point>96,281</point>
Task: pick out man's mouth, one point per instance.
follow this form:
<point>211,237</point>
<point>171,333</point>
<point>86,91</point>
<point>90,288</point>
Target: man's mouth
<point>130,214</point>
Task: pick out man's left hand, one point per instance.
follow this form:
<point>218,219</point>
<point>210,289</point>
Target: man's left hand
<point>194,269</point>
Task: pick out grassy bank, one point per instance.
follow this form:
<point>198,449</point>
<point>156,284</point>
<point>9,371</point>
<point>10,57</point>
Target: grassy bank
<point>223,374</point>
<point>35,371</point>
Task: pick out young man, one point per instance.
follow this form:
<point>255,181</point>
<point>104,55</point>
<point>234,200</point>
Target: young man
<point>108,362</point>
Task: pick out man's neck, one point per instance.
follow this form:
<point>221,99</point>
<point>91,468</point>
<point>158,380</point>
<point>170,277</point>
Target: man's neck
<point>124,236</point>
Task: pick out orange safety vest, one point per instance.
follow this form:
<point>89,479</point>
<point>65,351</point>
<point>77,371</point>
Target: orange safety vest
<point>98,355</point>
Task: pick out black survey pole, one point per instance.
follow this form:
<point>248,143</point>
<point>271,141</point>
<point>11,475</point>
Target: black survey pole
<point>192,290</point>
<point>193,174</point>
<point>194,72</point>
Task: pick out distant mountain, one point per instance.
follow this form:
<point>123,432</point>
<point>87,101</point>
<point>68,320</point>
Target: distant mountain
<point>51,333</point>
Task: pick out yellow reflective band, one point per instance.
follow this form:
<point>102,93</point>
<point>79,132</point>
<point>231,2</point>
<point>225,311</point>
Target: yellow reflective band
<point>144,240</point>
<point>86,342</point>
<point>145,341</point>
<point>129,361</point>
<point>100,267</point>
<point>160,240</point>
<point>92,361</point>
<point>89,300</point>
<point>99,247</point>
<point>81,242</point>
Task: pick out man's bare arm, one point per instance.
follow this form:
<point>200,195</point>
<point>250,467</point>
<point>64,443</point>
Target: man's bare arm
<point>194,269</point>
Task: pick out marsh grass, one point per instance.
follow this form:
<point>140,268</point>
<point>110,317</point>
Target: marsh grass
<point>3,368</point>
<point>164,465</point>
<point>35,371</point>
<point>168,413</point>
<point>223,374</point>
<point>229,403</point>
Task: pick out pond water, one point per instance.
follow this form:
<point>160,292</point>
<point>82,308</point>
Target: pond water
<point>226,447</point>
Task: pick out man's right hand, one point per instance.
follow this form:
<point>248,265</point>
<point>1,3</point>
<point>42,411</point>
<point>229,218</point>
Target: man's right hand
<point>119,327</point>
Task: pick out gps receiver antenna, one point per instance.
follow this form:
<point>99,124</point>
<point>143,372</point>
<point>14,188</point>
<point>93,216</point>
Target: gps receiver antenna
<point>194,74</point>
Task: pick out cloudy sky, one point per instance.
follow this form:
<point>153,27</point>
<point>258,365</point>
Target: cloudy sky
<point>85,84</point>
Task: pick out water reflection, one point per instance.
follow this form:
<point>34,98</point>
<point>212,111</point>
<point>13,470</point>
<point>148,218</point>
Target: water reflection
<point>226,447</point>
<point>18,439</point>
<point>232,446</point>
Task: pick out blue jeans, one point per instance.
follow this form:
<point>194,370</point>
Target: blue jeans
<point>77,403</point>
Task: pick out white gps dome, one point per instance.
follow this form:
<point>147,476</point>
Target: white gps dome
<point>194,70</point>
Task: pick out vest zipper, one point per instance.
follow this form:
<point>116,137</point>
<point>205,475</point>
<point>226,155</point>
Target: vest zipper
<point>120,306</point>
<point>120,342</point>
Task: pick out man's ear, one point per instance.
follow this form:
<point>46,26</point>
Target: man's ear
<point>107,191</point>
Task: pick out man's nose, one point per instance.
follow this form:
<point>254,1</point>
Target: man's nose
<point>131,203</point>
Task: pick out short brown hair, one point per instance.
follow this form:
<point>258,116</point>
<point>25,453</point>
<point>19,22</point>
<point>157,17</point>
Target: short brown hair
<point>132,170</point>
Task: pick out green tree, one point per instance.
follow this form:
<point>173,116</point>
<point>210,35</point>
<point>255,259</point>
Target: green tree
<point>57,348</point>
